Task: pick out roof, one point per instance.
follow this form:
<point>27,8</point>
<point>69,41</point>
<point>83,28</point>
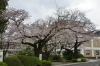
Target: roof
<point>97,33</point>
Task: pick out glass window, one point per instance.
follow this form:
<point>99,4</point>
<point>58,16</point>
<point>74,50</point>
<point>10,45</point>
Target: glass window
<point>87,52</point>
<point>97,52</point>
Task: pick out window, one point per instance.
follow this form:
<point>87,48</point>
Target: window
<point>87,52</point>
<point>97,52</point>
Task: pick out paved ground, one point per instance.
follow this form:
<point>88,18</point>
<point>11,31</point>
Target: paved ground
<point>89,63</point>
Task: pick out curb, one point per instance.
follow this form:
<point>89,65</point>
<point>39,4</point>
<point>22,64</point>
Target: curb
<point>76,63</point>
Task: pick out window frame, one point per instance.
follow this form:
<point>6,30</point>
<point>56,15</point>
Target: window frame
<point>87,52</point>
<point>97,52</point>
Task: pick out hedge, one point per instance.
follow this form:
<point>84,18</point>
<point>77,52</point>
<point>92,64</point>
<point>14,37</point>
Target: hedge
<point>55,58</point>
<point>3,64</point>
<point>12,61</point>
<point>68,55</point>
<point>74,60</point>
<point>46,63</point>
<point>83,59</point>
<point>29,60</point>
<point>80,56</point>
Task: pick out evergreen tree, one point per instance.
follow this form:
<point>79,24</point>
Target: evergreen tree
<point>3,21</point>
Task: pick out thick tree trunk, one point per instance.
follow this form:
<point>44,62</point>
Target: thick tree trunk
<point>37,51</point>
<point>75,55</point>
<point>46,55</point>
<point>70,53</point>
<point>0,45</point>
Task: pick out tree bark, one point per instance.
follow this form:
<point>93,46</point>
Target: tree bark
<point>37,51</point>
<point>75,55</point>
<point>46,55</point>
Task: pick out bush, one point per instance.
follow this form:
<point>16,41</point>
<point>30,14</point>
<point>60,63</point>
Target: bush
<point>46,63</point>
<point>12,61</point>
<point>3,64</point>
<point>83,59</point>
<point>80,56</point>
<point>27,51</point>
<point>55,58</point>
<point>29,60</point>
<point>74,60</point>
<point>67,55</point>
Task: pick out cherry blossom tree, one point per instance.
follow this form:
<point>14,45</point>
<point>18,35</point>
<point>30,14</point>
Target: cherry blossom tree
<point>81,33</point>
<point>12,34</point>
<point>41,32</point>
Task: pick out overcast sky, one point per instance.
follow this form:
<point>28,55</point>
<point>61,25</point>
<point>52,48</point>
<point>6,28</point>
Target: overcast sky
<point>42,8</point>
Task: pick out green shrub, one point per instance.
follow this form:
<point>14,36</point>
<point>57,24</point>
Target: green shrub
<point>3,64</point>
<point>83,59</point>
<point>27,51</point>
<point>12,61</point>
<point>29,60</point>
<point>74,60</point>
<point>80,56</point>
<point>68,55</point>
<point>55,58</point>
<point>46,63</point>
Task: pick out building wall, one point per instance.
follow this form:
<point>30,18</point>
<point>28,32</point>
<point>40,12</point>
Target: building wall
<point>90,53</point>
<point>93,46</point>
<point>88,44</point>
<point>96,42</point>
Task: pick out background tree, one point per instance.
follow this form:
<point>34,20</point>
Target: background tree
<point>81,33</point>
<point>3,20</point>
<point>38,34</point>
<point>77,39</point>
<point>14,17</point>
<point>41,32</point>
<point>45,30</point>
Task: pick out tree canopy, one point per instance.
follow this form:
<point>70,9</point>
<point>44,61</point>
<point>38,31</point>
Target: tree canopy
<point>3,21</point>
<point>63,29</point>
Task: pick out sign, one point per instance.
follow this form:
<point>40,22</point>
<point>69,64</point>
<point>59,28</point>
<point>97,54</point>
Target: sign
<point>79,59</point>
<point>1,55</point>
<point>40,56</point>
